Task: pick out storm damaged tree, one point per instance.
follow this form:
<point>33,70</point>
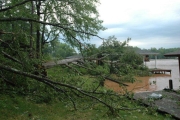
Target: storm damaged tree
<point>114,49</point>
<point>26,26</point>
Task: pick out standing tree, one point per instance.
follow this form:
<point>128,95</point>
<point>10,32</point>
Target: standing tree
<point>74,21</point>
<point>26,26</point>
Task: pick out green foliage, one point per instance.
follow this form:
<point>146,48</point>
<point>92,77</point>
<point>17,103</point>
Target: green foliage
<point>130,63</point>
<point>113,45</point>
<point>33,26</point>
<point>163,51</point>
<point>131,58</point>
<point>103,70</point>
<point>89,50</point>
<point>142,71</point>
<point>58,50</point>
<point>128,78</point>
<point>17,108</point>
<point>24,40</point>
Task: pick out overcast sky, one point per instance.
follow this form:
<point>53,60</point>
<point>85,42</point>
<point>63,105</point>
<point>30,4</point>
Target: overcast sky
<point>149,23</point>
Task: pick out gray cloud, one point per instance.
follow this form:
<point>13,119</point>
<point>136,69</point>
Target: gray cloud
<point>148,29</point>
<point>149,23</point>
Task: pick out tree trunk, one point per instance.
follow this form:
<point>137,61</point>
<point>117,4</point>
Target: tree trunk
<point>38,39</point>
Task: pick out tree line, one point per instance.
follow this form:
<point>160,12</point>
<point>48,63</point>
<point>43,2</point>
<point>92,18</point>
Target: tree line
<point>110,46</point>
<point>163,51</point>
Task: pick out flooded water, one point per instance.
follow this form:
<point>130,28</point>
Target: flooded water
<point>156,81</point>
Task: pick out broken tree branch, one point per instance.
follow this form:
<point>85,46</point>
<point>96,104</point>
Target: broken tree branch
<point>59,62</point>
<point>53,84</point>
<point>10,57</point>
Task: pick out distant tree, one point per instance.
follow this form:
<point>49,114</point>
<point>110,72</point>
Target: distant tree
<point>132,58</point>
<point>111,44</point>
<point>163,51</point>
<point>59,50</point>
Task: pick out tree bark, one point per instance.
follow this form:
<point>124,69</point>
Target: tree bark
<point>38,39</point>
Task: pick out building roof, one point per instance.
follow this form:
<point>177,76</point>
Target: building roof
<point>173,54</point>
<point>146,52</point>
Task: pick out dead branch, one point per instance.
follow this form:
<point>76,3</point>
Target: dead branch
<point>10,57</point>
<point>7,81</point>
<point>2,32</point>
<point>9,46</point>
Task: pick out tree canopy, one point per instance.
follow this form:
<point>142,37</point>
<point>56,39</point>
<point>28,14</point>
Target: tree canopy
<point>46,20</point>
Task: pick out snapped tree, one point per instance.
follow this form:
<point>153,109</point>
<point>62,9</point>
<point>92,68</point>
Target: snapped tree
<point>26,26</point>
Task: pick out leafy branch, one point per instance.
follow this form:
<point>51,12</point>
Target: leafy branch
<point>46,23</point>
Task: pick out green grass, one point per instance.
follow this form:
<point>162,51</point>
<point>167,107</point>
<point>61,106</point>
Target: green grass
<point>21,108</point>
<point>26,107</point>
<point>18,108</point>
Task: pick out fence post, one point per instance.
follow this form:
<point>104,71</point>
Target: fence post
<point>170,84</point>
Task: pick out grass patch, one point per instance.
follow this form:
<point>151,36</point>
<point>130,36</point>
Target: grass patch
<point>20,108</point>
<point>26,107</point>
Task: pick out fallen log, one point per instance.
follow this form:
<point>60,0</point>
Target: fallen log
<point>60,62</point>
<point>69,60</point>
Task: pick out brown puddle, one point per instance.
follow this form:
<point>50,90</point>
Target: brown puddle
<point>142,84</point>
<point>151,83</point>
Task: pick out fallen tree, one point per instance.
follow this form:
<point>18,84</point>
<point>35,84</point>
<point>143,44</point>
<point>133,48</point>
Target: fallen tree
<point>23,38</point>
<point>57,86</point>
